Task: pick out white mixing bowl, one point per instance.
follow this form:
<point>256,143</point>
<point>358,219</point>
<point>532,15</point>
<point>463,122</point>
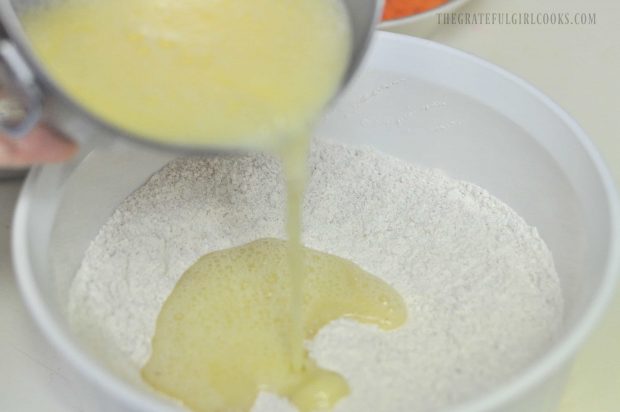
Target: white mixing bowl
<point>419,101</point>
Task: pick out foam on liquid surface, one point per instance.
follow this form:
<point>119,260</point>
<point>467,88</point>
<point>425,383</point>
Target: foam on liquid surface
<point>222,335</point>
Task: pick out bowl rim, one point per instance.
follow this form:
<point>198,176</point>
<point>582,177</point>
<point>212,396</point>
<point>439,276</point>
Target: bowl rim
<point>417,17</point>
<point>535,374</point>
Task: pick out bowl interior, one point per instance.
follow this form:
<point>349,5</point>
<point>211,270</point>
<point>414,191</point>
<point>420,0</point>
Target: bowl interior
<point>415,100</point>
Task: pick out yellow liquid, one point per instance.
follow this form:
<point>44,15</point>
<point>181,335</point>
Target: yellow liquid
<point>222,335</point>
<point>229,73</point>
<point>201,72</point>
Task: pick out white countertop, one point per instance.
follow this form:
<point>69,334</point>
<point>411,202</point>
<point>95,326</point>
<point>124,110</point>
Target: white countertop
<point>578,66</point>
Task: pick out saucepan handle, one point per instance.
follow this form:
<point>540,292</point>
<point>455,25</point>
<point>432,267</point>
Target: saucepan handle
<point>20,97</point>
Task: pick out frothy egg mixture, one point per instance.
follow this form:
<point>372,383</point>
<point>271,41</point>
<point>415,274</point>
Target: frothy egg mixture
<point>226,315</point>
<point>231,74</point>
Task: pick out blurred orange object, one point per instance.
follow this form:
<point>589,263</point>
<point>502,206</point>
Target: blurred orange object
<point>395,9</point>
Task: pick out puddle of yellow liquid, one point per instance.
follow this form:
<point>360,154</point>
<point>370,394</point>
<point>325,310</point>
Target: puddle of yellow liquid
<point>223,333</point>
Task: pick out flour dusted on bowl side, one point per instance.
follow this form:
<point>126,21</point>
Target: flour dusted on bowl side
<point>480,286</point>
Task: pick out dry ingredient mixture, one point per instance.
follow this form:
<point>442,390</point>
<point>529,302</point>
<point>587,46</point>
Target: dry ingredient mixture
<point>481,291</point>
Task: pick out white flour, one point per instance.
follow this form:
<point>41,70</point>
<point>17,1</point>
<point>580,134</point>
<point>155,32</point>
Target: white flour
<point>480,286</point>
